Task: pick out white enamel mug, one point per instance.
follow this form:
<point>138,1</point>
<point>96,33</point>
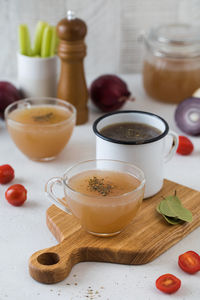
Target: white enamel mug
<point>149,155</point>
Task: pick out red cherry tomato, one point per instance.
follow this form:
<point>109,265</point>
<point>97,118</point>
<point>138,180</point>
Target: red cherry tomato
<point>16,194</point>
<point>185,146</point>
<point>168,283</point>
<point>6,174</point>
<point>189,262</point>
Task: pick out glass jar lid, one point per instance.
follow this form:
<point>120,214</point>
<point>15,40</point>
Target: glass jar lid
<point>174,40</point>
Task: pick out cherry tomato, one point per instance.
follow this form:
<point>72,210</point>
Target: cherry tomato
<point>16,194</point>
<point>185,146</point>
<point>6,174</point>
<point>189,262</point>
<point>168,283</point>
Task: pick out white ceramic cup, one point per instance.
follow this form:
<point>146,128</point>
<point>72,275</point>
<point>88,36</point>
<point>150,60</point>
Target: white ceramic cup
<point>149,156</point>
<point>37,77</point>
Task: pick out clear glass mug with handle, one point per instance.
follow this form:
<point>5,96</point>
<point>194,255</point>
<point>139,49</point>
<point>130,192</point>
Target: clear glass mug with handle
<point>101,214</point>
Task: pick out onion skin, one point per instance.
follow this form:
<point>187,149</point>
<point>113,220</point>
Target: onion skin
<point>109,92</point>
<point>8,94</point>
<point>187,116</point>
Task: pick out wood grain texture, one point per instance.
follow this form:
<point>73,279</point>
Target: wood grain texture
<point>142,241</point>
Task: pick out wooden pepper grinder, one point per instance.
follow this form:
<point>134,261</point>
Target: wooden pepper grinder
<point>72,50</point>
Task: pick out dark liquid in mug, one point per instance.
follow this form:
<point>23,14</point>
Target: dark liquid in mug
<point>130,132</point>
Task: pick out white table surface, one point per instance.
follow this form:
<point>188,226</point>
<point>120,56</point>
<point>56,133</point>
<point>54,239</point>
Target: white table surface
<point>23,229</point>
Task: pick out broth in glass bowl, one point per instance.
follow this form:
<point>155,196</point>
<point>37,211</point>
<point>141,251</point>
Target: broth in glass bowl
<point>40,127</point>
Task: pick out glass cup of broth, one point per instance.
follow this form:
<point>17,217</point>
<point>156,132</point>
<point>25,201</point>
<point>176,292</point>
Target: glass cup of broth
<point>40,127</point>
<point>104,195</point>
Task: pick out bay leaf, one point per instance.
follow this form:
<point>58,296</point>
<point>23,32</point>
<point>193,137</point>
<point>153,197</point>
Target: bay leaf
<point>169,207</point>
<point>174,205</point>
<point>158,209</point>
<point>173,211</point>
<point>171,220</point>
<point>185,214</point>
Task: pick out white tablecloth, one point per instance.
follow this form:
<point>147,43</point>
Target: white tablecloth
<point>23,229</point>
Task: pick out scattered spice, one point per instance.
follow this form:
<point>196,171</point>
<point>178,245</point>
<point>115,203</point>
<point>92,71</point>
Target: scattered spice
<point>98,184</point>
<point>93,294</point>
<point>43,118</point>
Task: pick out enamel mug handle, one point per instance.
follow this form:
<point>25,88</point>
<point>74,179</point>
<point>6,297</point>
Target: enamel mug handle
<point>52,197</point>
<point>174,146</point>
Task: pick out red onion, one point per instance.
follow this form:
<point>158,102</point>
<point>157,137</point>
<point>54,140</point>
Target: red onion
<point>187,116</point>
<point>8,94</point>
<point>109,92</point>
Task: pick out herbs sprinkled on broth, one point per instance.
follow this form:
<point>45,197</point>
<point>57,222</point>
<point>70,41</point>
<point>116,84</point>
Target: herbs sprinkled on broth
<point>130,131</point>
<point>41,114</point>
<point>43,118</point>
<point>103,183</point>
<point>98,184</point>
<point>107,200</point>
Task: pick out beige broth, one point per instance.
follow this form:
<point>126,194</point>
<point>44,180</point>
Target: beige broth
<point>170,80</point>
<point>104,213</point>
<point>42,131</point>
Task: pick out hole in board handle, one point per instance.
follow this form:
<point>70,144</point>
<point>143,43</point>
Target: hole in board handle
<point>48,258</point>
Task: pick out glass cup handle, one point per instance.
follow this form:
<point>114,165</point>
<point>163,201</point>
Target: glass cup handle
<point>174,146</point>
<point>52,197</point>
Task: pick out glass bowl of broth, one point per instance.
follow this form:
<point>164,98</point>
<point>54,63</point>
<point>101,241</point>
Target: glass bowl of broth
<point>104,195</point>
<point>40,127</point>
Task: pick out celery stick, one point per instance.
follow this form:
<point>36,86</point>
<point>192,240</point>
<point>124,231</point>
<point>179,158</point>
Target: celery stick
<point>53,41</point>
<point>24,40</point>
<point>38,37</point>
<point>46,41</point>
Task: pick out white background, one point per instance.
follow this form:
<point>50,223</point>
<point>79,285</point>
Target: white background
<point>113,28</point>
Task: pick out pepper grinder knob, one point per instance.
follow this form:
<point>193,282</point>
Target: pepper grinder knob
<point>72,50</point>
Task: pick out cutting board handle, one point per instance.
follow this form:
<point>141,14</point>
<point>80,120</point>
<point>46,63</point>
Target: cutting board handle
<point>53,264</point>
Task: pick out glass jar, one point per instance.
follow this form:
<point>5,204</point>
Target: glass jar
<point>171,68</point>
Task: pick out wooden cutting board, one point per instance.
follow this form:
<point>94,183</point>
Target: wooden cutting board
<point>142,241</point>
